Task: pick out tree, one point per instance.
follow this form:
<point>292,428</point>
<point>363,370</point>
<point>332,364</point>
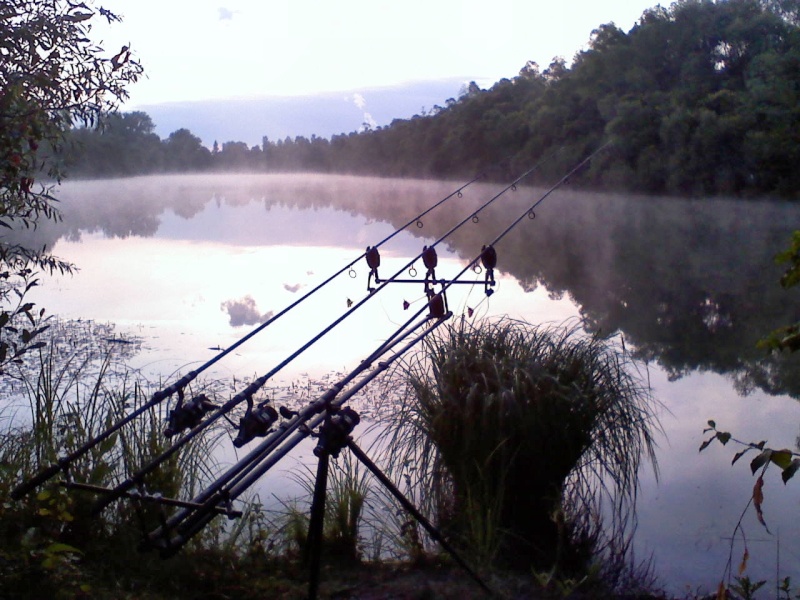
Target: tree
<point>122,144</point>
<point>51,77</point>
<point>185,151</point>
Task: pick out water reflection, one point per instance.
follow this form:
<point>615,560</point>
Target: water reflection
<point>692,284</point>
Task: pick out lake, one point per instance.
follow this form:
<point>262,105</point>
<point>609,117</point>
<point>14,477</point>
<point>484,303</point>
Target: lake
<point>189,264</point>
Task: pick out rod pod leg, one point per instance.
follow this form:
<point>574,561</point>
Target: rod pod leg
<point>313,550</point>
<point>407,504</point>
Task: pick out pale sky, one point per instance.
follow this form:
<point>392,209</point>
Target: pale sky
<point>210,49</point>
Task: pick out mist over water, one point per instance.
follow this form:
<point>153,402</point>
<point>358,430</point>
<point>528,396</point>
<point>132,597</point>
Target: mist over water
<point>191,262</point>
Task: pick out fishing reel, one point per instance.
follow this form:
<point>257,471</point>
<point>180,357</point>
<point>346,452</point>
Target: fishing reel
<point>255,422</point>
<point>186,415</point>
<point>333,433</point>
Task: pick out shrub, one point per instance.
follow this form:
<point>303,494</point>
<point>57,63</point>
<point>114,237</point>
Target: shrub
<point>522,435</point>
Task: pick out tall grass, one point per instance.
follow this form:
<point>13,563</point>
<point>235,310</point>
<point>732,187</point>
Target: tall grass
<point>57,401</point>
<point>528,441</point>
<point>347,490</point>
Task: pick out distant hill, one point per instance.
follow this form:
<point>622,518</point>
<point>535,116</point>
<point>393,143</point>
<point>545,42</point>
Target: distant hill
<point>324,115</point>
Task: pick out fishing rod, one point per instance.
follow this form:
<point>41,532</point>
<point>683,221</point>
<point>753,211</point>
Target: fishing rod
<point>197,425</point>
<point>335,427</point>
<point>246,465</point>
<point>311,417</point>
<point>287,427</point>
<point>62,464</point>
<point>334,434</point>
<point>186,528</point>
<point>489,248</point>
<point>220,411</point>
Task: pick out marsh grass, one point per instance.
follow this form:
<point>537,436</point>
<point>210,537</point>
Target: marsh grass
<point>64,395</point>
<point>526,440</point>
<point>348,489</point>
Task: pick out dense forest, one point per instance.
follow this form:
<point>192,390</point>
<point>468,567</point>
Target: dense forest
<point>701,98</point>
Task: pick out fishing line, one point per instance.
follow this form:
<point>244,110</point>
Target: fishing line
<point>527,214</point>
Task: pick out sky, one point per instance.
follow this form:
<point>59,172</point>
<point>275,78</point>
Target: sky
<point>215,49</point>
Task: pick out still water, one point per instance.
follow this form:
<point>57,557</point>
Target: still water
<point>190,264</point>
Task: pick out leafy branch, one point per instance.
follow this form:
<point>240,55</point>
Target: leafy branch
<point>785,459</point>
<point>788,336</point>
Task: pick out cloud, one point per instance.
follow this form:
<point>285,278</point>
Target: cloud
<point>368,122</point>
<point>292,288</point>
<point>225,14</point>
<point>244,312</point>
<point>359,101</point>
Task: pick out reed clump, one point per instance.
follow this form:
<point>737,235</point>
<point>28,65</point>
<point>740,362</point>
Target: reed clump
<point>528,442</point>
<point>62,395</point>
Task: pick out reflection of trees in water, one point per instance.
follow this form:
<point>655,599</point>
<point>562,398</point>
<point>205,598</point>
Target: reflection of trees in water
<point>120,208</point>
<point>691,284</point>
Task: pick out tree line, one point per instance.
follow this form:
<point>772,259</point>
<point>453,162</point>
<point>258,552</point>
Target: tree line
<point>699,98</point>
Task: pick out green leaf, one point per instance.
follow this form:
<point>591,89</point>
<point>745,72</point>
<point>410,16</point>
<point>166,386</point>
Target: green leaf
<point>724,437</point>
<point>59,548</point>
<point>78,17</point>
<point>711,424</point>
<point>739,455</point>
<point>782,458</point>
<point>760,460</point>
<point>789,471</point>
<point>705,444</point>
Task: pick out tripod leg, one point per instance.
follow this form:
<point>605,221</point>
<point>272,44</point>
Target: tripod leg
<point>434,533</point>
<point>313,550</point>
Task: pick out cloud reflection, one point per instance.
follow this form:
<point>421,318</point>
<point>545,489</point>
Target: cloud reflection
<point>244,312</point>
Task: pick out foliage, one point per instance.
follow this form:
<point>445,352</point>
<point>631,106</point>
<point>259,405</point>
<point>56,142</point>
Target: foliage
<point>60,398</point>
<point>346,493</point>
<point>523,431</point>
<point>787,461</point>
<point>788,336</point>
<point>700,98</point>
<point>51,77</point>
<point>785,338</point>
